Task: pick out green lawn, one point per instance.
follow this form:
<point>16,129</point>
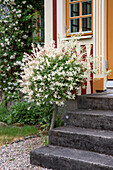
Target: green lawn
<point>11,133</point>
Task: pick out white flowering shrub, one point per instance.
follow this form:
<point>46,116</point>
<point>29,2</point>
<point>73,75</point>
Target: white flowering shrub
<point>17,24</point>
<point>54,75</point>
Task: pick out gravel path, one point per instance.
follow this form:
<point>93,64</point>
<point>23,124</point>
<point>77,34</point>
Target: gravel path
<point>16,156</point>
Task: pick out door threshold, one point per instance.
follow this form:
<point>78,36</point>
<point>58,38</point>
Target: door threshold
<point>109,84</point>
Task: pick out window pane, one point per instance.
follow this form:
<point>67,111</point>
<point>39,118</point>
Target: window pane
<point>86,7</point>
<point>74,25</point>
<point>42,21</point>
<point>74,10</point>
<point>86,24</point>
<point>73,0</point>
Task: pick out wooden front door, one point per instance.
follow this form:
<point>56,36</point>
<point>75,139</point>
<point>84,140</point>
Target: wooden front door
<point>110,37</point>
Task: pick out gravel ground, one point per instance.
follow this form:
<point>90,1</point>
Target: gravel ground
<point>16,156</point>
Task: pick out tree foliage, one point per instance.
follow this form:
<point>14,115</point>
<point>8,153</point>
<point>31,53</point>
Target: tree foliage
<point>17,24</point>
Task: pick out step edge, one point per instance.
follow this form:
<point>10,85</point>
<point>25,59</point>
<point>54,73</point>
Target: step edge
<point>95,114</point>
<point>83,133</point>
<point>77,159</point>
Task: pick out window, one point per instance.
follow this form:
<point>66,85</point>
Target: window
<point>79,17</point>
<point>40,24</point>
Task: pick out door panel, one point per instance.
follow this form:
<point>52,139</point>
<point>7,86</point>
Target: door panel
<point>110,37</point>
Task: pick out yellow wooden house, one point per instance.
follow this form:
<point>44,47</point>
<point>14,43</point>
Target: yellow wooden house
<point>94,20</point>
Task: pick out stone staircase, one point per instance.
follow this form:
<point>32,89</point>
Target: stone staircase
<point>85,142</point>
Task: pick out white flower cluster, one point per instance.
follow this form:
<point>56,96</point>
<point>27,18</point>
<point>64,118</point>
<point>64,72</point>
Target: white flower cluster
<point>54,74</point>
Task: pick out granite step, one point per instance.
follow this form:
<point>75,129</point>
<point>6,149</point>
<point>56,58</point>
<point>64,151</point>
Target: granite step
<point>103,101</point>
<point>94,119</point>
<point>61,158</point>
<point>100,141</point>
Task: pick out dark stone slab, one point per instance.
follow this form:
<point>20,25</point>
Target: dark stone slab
<point>95,101</point>
<point>60,158</point>
<point>95,119</point>
<point>85,139</point>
